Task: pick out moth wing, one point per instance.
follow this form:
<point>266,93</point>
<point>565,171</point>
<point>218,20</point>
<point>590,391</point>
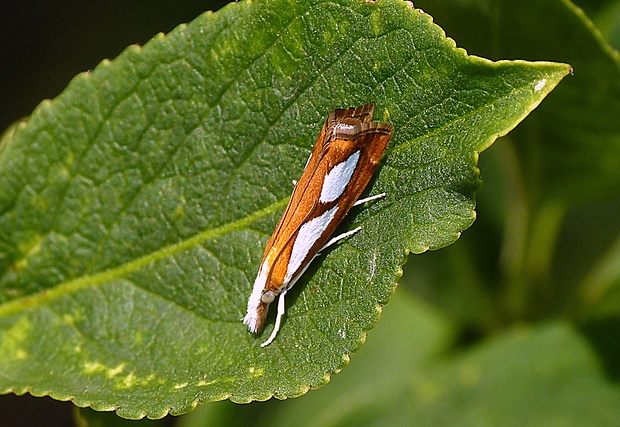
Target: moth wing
<point>315,219</point>
<point>311,217</point>
<point>352,116</point>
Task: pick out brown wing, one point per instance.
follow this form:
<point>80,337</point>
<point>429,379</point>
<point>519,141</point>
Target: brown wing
<point>355,115</point>
<point>344,133</point>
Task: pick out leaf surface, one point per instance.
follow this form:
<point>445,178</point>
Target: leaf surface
<point>540,375</point>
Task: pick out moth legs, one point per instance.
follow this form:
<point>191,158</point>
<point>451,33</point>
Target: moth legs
<point>281,297</point>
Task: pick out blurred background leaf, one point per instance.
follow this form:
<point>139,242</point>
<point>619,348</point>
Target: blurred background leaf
<point>549,207</point>
<point>45,44</point>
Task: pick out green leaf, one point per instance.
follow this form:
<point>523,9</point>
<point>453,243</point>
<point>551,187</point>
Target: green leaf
<point>409,335</point>
<point>536,375</point>
<point>549,370</point>
<point>532,376</point>
<point>546,375</point>
<point>86,417</point>
<point>136,205</point>
<point>555,242</point>
<point>571,146</point>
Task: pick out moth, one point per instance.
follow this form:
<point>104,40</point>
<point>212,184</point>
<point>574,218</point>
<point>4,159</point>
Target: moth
<point>340,166</point>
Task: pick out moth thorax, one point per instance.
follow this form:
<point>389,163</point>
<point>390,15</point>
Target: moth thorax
<point>344,128</point>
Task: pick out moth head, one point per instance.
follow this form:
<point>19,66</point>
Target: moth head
<point>259,300</point>
<point>268,297</point>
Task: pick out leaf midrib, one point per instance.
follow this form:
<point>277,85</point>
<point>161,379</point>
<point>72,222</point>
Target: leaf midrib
<point>122,270</point>
<point>225,89</point>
